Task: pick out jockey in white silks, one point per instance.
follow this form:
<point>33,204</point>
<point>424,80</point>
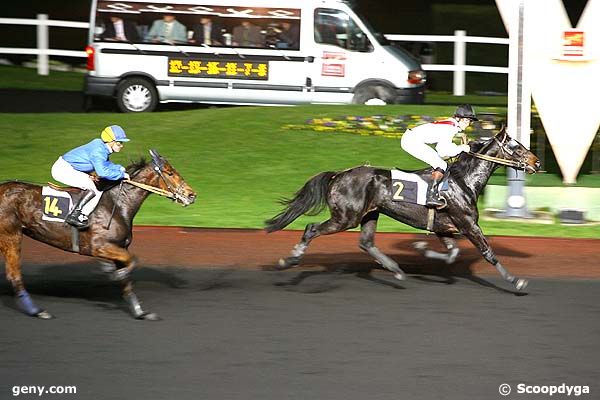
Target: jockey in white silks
<point>417,141</point>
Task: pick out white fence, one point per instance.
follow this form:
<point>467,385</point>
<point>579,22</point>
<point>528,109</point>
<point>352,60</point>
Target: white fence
<point>459,67</point>
<point>43,52</point>
<point>459,38</point>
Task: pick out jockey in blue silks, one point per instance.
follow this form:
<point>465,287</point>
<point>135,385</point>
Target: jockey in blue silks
<point>73,169</point>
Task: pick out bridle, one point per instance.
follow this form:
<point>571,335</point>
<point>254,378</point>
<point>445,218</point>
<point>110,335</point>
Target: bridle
<point>504,150</point>
<point>173,193</point>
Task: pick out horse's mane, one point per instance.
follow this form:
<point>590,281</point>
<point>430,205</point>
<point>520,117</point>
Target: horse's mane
<point>462,166</point>
<point>136,166</point>
<point>132,169</point>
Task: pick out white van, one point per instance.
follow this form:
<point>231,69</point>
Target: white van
<point>262,52</point>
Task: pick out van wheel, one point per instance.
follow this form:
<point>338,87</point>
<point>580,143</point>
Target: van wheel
<point>374,95</point>
<point>136,95</point>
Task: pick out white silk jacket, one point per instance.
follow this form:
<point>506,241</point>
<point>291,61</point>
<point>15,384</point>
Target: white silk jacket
<point>439,132</point>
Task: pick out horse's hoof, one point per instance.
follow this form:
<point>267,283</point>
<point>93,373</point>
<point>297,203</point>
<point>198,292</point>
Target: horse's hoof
<point>521,284</point>
<point>420,245</point>
<point>149,317</point>
<point>400,276</point>
<point>452,254</point>
<point>44,315</point>
<point>285,263</point>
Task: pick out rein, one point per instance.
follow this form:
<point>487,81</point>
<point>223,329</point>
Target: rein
<point>153,189</point>
<point>498,160</point>
<point>173,193</point>
<point>149,188</point>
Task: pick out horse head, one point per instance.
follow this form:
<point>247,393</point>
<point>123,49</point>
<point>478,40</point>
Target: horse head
<point>171,181</point>
<point>505,150</point>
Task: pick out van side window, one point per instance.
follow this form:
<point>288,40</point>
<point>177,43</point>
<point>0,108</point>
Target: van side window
<point>186,23</point>
<point>335,27</point>
<point>283,34</point>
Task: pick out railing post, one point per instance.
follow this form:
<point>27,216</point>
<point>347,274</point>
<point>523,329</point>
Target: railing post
<point>42,44</point>
<point>460,60</point>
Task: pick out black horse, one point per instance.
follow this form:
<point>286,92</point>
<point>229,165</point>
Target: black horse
<point>357,196</point>
<point>108,236</point>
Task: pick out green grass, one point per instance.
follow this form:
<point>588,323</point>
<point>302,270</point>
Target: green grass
<point>12,77</point>
<point>434,97</point>
<point>239,160</point>
<point>543,179</point>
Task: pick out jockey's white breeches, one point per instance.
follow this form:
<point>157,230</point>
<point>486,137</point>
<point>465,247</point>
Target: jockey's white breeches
<point>416,148</point>
<point>64,173</point>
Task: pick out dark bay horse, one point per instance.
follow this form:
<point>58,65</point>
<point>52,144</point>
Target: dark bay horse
<point>108,236</point>
<point>358,195</point>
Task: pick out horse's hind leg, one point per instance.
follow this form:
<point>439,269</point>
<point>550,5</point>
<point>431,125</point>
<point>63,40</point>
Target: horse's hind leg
<point>367,240</point>
<point>333,225</point>
<point>448,242</point>
<point>10,246</point>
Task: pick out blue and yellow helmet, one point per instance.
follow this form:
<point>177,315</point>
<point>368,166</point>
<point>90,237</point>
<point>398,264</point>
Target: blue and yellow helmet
<point>113,133</point>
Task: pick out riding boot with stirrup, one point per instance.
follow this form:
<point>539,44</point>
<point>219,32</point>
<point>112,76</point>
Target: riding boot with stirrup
<point>76,217</point>
<point>433,195</point>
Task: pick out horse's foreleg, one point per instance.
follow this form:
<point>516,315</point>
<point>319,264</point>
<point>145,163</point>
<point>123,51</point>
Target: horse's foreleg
<point>452,248</point>
<point>107,266</point>
<point>11,248</point>
<point>135,307</point>
<point>448,242</point>
<point>125,263</point>
<point>475,235</point>
<point>123,260</point>
<point>367,243</point>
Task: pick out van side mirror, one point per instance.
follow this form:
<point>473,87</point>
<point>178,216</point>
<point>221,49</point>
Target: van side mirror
<point>364,45</point>
<point>310,59</point>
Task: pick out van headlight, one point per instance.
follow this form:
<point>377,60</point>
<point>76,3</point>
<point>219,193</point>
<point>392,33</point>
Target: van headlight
<point>417,77</point>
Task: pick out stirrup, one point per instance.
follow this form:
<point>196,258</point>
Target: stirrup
<point>439,202</point>
<point>77,219</point>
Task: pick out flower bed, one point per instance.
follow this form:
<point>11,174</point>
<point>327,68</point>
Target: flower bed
<point>376,125</point>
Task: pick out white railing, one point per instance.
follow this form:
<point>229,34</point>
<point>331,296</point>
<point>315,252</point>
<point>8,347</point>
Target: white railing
<point>459,67</point>
<point>460,39</point>
<point>42,51</point>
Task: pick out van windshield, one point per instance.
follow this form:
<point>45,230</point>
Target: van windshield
<point>193,25</point>
<point>337,28</point>
<point>377,35</point>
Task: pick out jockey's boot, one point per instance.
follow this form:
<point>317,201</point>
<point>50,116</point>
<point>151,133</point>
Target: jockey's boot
<point>433,195</point>
<point>76,217</point>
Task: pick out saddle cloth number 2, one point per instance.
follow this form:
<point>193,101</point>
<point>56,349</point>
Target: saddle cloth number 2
<point>403,190</point>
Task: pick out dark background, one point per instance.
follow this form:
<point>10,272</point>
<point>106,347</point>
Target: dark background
<point>388,16</point>
<point>436,17</point>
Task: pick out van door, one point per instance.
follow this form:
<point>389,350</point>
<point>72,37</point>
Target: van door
<point>343,56</point>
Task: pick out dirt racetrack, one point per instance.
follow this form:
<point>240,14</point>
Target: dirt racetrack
<point>254,249</point>
<point>234,329</point>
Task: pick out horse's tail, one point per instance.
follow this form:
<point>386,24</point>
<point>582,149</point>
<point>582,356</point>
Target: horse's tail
<point>310,200</point>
